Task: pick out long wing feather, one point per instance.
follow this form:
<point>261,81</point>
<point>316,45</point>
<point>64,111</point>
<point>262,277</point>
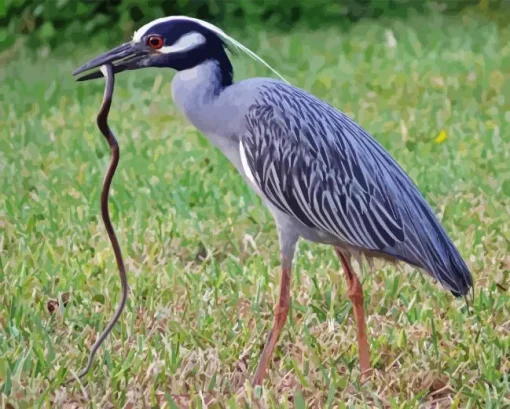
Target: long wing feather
<point>315,164</point>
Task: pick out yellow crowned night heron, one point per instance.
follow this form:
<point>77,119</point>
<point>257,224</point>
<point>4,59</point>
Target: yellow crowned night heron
<point>321,175</point>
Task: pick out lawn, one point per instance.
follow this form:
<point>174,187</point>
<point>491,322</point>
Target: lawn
<point>202,252</point>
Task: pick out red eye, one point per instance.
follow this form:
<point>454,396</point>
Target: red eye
<point>155,42</point>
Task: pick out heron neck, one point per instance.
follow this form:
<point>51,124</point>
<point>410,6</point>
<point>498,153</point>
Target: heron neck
<point>209,106</point>
<point>194,91</point>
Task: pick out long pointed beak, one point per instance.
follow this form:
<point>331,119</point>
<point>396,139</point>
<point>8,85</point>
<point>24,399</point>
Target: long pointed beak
<point>128,56</point>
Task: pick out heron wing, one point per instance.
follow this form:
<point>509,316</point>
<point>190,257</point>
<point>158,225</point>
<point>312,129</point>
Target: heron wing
<point>314,163</point>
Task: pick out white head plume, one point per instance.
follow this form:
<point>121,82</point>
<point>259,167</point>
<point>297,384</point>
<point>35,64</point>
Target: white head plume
<point>140,33</point>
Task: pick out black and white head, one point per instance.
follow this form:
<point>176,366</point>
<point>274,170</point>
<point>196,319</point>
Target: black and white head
<point>175,42</point>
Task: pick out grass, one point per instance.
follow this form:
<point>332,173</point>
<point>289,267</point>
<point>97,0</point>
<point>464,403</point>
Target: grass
<point>201,250</point>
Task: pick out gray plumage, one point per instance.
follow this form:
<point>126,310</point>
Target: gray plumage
<point>313,164</point>
<point>323,177</point>
<point>317,165</point>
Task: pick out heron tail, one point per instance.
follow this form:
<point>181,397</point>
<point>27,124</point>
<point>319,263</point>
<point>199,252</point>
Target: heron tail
<point>444,260</point>
<point>461,274</point>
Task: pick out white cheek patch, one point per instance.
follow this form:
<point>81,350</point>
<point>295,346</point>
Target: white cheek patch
<point>185,43</point>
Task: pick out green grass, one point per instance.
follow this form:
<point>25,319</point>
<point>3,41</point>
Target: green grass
<point>201,250</point>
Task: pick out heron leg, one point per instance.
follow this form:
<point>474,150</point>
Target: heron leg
<point>280,316</point>
<point>355,293</point>
<point>287,245</point>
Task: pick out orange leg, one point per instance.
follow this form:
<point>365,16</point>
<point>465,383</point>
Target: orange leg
<point>355,293</point>
<point>281,312</point>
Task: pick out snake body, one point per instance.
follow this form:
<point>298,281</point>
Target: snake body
<point>102,123</point>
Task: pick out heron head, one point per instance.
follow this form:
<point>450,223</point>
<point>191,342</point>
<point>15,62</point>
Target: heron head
<point>175,42</point>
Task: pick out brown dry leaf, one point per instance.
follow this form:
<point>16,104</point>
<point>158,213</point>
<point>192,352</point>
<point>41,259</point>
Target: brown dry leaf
<point>201,254</point>
<point>240,373</point>
<point>288,384</point>
<point>72,405</point>
<point>243,308</point>
<point>65,298</point>
<point>52,306</point>
<point>182,401</point>
<point>436,385</point>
